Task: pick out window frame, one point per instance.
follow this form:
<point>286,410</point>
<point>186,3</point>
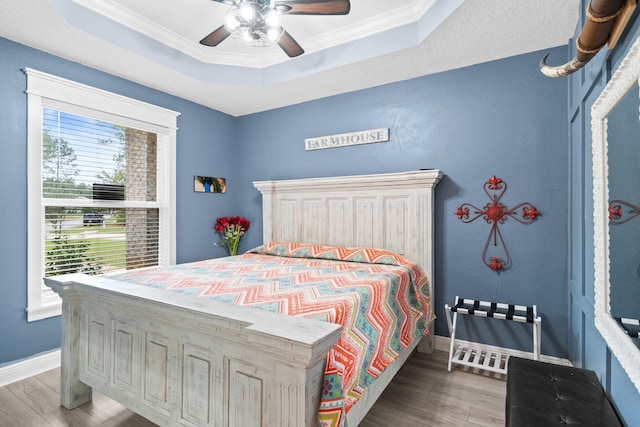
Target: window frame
<point>49,91</point>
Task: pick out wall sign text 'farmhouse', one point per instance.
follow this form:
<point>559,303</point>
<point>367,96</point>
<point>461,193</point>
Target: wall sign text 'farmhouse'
<point>344,139</point>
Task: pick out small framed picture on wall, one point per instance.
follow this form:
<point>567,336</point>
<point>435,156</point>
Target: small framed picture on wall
<point>207,184</point>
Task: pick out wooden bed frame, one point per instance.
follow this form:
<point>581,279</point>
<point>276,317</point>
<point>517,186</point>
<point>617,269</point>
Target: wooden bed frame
<point>179,360</point>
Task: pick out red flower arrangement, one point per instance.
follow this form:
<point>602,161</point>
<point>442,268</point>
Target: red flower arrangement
<point>231,228</point>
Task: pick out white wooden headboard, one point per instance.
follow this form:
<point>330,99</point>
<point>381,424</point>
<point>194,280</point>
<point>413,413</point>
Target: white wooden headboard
<point>391,211</point>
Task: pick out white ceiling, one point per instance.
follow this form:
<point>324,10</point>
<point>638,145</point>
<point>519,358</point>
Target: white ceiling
<point>156,43</point>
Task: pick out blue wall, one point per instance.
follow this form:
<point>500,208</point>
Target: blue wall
<point>203,134</point>
<point>501,118</point>
<point>587,348</point>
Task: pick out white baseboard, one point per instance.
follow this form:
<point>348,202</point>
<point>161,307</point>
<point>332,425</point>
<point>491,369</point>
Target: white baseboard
<point>29,367</point>
<point>443,344</point>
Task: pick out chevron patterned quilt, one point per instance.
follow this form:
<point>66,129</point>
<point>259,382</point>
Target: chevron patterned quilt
<point>379,297</point>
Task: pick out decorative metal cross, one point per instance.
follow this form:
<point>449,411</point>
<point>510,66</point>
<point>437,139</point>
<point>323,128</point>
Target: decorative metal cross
<point>496,213</point>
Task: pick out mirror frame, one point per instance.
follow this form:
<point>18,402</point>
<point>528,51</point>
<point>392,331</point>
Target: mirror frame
<point>622,81</point>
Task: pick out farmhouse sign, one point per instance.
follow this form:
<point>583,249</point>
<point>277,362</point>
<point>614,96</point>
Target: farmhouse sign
<point>344,139</point>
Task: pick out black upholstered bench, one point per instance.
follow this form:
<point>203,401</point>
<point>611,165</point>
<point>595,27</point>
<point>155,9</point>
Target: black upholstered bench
<point>542,394</point>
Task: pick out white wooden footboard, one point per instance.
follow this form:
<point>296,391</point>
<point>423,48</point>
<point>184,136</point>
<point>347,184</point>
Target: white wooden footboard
<point>180,362</point>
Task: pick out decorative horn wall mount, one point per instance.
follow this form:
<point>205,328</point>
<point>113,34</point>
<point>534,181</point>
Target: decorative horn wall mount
<point>496,213</point>
<point>618,216</point>
<point>604,23</point>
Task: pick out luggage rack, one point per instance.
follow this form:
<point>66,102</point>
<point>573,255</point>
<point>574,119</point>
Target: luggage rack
<point>476,357</point>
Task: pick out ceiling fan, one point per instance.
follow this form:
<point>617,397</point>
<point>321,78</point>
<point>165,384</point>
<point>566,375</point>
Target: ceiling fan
<point>257,22</point>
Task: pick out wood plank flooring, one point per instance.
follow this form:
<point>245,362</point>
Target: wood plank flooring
<point>422,394</point>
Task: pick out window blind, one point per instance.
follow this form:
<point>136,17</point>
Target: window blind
<point>99,195</point>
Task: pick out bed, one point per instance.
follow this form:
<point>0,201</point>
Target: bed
<point>180,360</point>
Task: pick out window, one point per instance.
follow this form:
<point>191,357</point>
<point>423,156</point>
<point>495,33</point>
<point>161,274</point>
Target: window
<point>101,184</point>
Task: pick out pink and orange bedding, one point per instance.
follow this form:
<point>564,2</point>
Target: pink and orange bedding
<point>379,297</point>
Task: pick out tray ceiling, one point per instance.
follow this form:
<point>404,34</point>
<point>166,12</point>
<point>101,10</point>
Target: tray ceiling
<point>156,43</point>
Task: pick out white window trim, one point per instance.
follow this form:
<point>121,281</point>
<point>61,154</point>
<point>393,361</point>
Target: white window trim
<point>45,89</point>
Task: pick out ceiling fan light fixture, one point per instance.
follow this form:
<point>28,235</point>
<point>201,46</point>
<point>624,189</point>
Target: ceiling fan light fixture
<point>231,22</point>
<point>253,23</point>
<point>272,19</point>
<point>248,11</point>
<point>273,35</point>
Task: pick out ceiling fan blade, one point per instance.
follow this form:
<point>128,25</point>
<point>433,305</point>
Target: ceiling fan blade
<point>313,7</point>
<point>216,37</point>
<point>290,45</point>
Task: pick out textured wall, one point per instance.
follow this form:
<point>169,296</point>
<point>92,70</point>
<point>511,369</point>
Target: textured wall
<point>501,118</point>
